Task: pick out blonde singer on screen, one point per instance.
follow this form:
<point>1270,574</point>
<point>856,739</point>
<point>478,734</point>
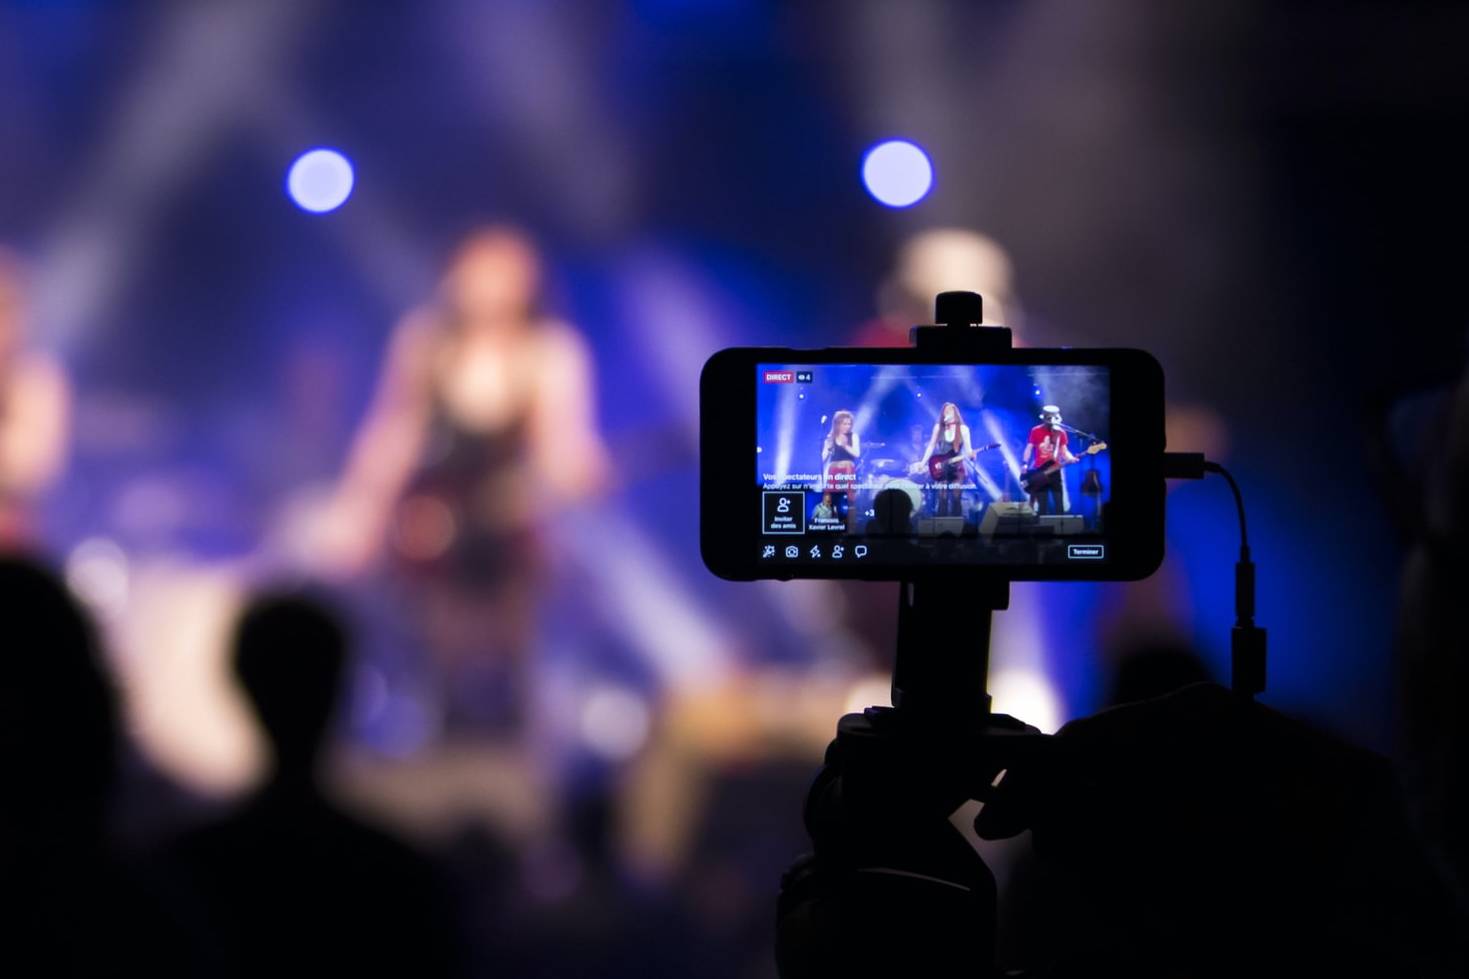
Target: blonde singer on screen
<point>841,451</point>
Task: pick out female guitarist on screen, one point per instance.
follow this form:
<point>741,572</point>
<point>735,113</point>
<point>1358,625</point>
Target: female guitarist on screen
<point>948,449</point>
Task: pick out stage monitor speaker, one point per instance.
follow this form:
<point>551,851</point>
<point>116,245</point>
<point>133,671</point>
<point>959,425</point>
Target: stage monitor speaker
<point>939,526</point>
<point>1007,519</point>
<point>1062,524</point>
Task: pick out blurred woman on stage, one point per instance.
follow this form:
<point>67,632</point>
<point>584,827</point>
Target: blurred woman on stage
<point>34,409</point>
<point>482,428</point>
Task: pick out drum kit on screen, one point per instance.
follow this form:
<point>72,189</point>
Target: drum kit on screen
<point>886,474</point>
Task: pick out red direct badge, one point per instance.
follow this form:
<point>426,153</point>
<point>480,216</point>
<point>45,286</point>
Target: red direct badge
<point>780,377</point>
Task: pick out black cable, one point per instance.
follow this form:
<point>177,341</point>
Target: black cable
<point>1246,640</point>
<point>1239,504</point>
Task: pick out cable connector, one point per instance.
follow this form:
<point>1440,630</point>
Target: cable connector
<point>1246,640</point>
<point>1183,465</point>
<point>1247,660</point>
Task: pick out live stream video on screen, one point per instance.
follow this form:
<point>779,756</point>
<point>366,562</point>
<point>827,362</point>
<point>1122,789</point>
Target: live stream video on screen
<point>962,464</point>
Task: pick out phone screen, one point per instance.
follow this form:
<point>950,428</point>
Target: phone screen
<point>931,464</point>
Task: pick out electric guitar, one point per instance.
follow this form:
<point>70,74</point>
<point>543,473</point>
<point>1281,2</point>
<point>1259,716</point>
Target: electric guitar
<point>949,468</point>
<point>1037,479</point>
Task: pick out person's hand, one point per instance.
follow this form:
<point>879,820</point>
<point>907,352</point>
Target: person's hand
<point>1209,832</point>
<point>336,535</point>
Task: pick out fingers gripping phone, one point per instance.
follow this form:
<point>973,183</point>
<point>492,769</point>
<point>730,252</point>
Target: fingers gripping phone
<point>899,464</point>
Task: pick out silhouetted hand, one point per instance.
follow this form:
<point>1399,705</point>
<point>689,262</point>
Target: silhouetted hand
<point>1202,834</point>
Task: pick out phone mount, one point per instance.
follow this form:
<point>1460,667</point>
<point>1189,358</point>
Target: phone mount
<point>892,887</point>
<point>933,677</point>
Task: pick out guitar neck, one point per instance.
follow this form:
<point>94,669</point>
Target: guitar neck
<point>1058,463</point>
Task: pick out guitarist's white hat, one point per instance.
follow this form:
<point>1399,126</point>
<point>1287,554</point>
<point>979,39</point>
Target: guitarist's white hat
<point>1050,410</point>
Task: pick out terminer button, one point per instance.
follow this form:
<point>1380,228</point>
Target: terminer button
<point>1086,552</point>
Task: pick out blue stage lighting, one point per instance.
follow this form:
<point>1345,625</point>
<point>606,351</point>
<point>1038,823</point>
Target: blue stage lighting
<point>320,180</point>
<point>897,173</point>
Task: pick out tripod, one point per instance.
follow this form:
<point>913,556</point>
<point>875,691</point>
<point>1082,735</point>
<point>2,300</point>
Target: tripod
<point>892,888</point>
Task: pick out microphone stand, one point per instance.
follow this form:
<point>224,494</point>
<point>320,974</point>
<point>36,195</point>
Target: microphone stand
<point>1076,431</point>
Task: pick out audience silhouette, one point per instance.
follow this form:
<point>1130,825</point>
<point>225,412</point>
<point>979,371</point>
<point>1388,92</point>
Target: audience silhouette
<point>67,898</point>
<point>1186,831</point>
<point>289,881</point>
<point>1433,653</point>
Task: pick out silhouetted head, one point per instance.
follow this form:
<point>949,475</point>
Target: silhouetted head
<point>58,712</point>
<point>893,512</point>
<point>289,654</point>
<point>1154,667</point>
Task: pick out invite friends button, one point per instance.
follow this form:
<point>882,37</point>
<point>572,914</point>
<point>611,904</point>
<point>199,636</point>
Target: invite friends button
<point>785,513</point>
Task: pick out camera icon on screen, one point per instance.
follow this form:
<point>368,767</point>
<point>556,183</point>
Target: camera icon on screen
<point>793,551</point>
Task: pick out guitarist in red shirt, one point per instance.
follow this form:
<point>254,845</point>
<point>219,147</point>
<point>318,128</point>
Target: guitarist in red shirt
<point>1046,445</point>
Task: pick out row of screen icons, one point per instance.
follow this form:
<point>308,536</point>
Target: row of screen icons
<point>792,551</point>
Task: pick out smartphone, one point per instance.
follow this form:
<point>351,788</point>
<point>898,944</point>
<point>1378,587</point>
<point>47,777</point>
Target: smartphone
<point>896,464</point>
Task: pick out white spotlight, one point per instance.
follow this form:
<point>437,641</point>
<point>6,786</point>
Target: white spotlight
<point>320,180</point>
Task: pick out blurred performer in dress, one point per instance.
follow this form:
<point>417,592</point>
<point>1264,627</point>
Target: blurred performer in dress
<point>482,429</point>
<point>35,403</point>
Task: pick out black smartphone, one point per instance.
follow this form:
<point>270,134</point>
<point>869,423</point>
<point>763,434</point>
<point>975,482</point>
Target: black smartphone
<point>889,464</point>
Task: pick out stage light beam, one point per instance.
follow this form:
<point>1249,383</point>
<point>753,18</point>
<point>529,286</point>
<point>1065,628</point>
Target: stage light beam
<point>897,173</point>
<point>320,181</point>
<point>997,434</point>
